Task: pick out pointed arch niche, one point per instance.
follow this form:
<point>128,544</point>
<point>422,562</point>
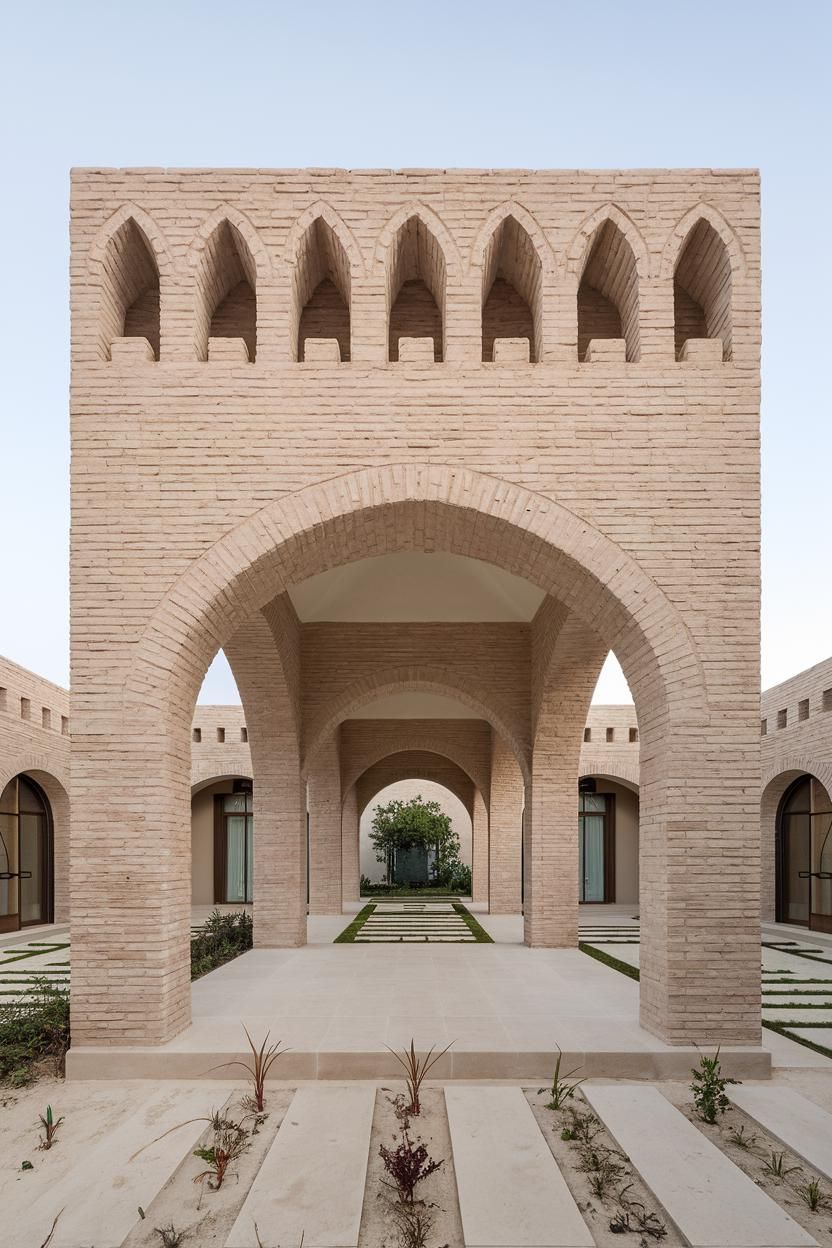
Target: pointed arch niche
<point>608,302</point>
<point>226,286</point>
<point>416,279</point>
<point>702,289</point>
<point>321,290</point>
<point>511,289</point>
<point>130,289</point>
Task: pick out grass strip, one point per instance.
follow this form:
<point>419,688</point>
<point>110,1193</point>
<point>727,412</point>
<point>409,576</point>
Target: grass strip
<point>471,923</point>
<point>632,972</point>
<point>351,931</point>
<point>782,1029</point>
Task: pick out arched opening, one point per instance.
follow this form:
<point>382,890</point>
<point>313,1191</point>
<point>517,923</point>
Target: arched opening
<point>608,842</point>
<point>130,291</point>
<point>27,873</point>
<point>222,842</point>
<point>608,300</point>
<point>511,289</point>
<point>702,289</point>
<point>226,286</point>
<point>803,855</point>
<point>416,279</point>
<point>236,592</point>
<point>410,870</point>
<point>322,288</point>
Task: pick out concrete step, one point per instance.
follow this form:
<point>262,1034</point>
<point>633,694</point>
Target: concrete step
<point>708,1198</point>
<point>798,1123</point>
<point>311,1184</point>
<point>511,1192</point>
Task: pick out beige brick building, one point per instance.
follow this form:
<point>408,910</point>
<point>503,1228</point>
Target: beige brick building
<point>796,810</point>
<point>534,397</point>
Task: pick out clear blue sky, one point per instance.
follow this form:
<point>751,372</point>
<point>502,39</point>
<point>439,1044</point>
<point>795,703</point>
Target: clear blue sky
<point>555,84</point>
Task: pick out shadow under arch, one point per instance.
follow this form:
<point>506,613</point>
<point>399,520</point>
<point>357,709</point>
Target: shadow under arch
<point>431,767</point>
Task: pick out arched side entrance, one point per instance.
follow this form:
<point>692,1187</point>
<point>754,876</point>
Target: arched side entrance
<point>608,808</point>
<point>351,517</point>
<point>222,841</point>
<point>27,856</point>
<point>796,821</point>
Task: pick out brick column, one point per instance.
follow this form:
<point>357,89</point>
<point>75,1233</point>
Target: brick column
<point>260,653</point>
<point>506,831</point>
<point>324,796</point>
<point>479,850</point>
<point>350,855</point>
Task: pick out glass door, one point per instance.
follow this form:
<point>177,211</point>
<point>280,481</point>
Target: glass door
<point>238,820</point>
<point>25,856</point>
<point>592,847</point>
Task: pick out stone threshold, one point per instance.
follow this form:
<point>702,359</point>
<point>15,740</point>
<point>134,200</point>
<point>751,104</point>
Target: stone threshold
<point>129,1062</point>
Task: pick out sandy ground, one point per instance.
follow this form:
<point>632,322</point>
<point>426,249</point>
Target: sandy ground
<point>92,1109</point>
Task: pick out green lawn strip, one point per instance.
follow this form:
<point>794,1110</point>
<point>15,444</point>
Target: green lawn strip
<point>800,992</point>
<point>351,931</point>
<point>797,953</point>
<point>410,894</point>
<point>783,1030</point>
<point>601,956</point>
<point>471,923</point>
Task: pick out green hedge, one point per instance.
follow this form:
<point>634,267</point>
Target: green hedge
<point>33,1029</point>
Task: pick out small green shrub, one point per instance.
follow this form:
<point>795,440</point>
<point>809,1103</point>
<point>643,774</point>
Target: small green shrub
<point>813,1195</point>
<point>563,1087</point>
<point>776,1166</point>
<point>221,938</point>
<point>708,1087</point>
<point>33,1029</point>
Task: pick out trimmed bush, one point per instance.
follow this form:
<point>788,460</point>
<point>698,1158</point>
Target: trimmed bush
<point>221,938</point>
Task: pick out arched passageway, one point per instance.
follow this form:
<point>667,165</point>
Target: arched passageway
<point>235,596</point>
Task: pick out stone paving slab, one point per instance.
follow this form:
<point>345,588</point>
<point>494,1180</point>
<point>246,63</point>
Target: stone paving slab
<point>798,1123</point>
<point>511,1192</point>
<point>100,1197</point>
<point>711,1201</point>
<point>311,1183</point>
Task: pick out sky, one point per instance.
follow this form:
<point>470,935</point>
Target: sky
<point>459,83</point>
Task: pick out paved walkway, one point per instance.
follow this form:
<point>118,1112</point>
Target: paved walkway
<point>414,922</point>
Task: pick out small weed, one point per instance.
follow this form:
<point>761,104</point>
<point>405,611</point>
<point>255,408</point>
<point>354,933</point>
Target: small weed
<point>634,1218</point>
<point>408,1165</point>
<point>813,1195</point>
<point>26,1165</point>
<point>567,1134</point>
<point>413,1225</point>
<point>50,1126</point>
<point>170,1237</point>
<point>48,1239</point>
<point>563,1088</point>
<point>739,1139</point>
<point>602,1168</point>
<point>262,1060</point>
<point>416,1070</point>
<point>776,1166</point>
<point>708,1087</point>
<point>230,1142</point>
<point>584,1127</point>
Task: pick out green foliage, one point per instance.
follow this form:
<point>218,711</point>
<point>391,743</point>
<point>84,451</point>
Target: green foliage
<point>33,1028</point>
<point>563,1086</point>
<point>50,1125</point>
<point>471,923</point>
<point>454,876</point>
<point>776,1166</point>
<point>813,1195</point>
<point>708,1087</point>
<point>221,938</point>
<point>412,825</point>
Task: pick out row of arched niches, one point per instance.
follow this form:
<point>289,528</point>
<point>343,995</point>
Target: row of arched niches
<point>517,277</point>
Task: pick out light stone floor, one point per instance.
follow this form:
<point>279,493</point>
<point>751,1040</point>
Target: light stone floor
<point>503,1007</point>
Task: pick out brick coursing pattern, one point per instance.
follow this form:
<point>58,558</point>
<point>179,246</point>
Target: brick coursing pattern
<point>627,491</point>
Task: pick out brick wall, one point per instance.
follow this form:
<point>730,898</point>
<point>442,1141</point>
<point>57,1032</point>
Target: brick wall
<point>626,487</point>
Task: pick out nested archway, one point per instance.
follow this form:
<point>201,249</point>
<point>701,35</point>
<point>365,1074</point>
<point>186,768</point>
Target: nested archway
<point>431,508</point>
